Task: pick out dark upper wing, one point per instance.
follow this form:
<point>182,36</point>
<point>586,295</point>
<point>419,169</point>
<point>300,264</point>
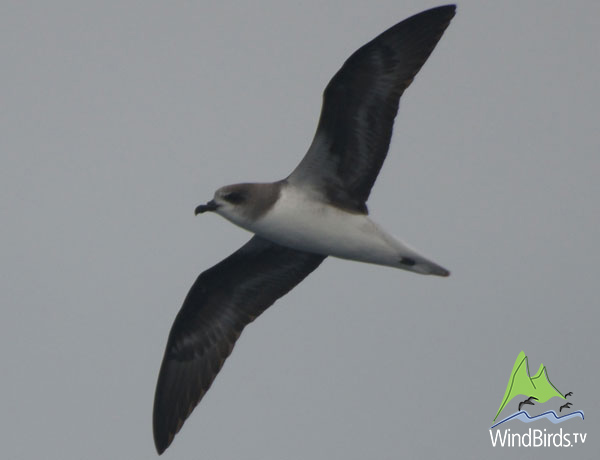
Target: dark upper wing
<point>222,301</point>
<point>359,107</point>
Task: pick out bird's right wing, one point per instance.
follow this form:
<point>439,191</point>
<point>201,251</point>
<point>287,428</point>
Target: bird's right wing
<point>222,301</point>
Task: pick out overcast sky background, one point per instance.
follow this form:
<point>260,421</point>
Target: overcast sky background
<point>118,118</point>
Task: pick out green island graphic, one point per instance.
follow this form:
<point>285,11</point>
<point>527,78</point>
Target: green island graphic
<point>521,383</point>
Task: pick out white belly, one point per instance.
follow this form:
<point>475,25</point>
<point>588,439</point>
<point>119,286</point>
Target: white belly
<point>306,224</point>
<point>328,231</point>
<point>312,226</point>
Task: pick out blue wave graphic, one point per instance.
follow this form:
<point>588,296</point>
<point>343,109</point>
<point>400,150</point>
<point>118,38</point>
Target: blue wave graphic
<point>550,415</point>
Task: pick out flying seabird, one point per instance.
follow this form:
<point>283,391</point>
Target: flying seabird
<point>565,406</point>
<point>319,210</point>
<point>527,401</point>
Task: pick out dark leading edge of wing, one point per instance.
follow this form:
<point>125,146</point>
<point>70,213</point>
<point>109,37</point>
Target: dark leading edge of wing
<point>222,301</point>
<point>359,107</point>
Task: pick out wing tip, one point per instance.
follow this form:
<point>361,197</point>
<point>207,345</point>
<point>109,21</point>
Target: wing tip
<point>441,15</point>
<point>162,437</point>
<point>449,9</point>
<point>163,428</point>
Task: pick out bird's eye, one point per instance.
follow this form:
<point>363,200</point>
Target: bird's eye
<point>233,197</point>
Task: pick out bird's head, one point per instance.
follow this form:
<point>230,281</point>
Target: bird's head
<point>227,200</point>
<point>243,204</point>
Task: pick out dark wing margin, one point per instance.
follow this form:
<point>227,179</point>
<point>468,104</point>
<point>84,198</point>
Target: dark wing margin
<point>359,107</point>
<point>222,301</point>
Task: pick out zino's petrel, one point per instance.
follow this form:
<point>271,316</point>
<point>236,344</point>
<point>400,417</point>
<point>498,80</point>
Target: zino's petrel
<point>319,210</point>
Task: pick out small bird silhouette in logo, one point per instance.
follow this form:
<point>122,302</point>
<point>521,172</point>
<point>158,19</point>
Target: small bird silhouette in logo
<point>566,406</point>
<point>527,401</point>
<point>570,393</point>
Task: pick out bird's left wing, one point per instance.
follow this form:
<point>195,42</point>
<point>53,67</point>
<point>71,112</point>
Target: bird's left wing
<point>359,107</point>
<point>222,301</point>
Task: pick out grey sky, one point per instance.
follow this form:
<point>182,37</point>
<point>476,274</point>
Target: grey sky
<point>120,117</point>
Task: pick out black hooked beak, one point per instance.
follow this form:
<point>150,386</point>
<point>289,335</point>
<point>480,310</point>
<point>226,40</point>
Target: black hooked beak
<point>210,206</point>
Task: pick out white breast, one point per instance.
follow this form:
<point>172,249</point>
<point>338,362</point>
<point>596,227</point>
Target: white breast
<point>299,222</point>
